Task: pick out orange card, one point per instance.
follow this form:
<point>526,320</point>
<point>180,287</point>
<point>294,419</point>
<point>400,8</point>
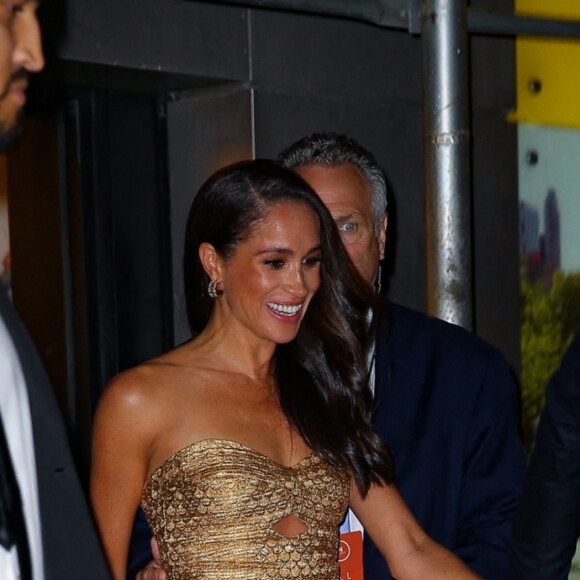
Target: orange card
<point>350,557</point>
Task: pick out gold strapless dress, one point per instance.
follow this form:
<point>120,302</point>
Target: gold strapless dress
<point>214,504</point>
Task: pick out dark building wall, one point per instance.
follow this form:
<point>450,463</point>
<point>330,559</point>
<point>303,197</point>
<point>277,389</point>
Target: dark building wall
<point>308,73</point>
<point>167,35</point>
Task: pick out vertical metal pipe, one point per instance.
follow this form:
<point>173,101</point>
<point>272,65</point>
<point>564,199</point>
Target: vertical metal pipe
<point>447,160</point>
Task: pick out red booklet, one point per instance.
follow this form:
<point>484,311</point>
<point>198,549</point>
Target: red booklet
<point>350,556</point>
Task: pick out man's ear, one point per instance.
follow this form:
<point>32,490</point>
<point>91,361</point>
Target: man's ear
<point>210,260</point>
<point>383,235</point>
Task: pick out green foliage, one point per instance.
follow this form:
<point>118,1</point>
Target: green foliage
<point>550,319</point>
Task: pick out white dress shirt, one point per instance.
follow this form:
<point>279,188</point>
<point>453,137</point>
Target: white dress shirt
<point>15,412</point>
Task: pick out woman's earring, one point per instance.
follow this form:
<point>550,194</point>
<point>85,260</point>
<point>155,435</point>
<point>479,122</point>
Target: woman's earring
<point>212,289</point>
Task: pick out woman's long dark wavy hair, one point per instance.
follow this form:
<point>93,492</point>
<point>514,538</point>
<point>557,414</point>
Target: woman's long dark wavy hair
<point>322,375</point>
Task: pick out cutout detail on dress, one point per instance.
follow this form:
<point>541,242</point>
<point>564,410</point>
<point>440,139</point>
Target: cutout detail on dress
<point>290,526</point>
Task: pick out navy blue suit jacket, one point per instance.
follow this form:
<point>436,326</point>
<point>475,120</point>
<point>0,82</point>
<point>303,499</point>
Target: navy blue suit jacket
<point>447,407</point>
<point>547,523</point>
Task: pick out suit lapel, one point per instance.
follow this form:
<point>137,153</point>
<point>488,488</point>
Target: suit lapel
<point>382,363</point>
<point>40,396</point>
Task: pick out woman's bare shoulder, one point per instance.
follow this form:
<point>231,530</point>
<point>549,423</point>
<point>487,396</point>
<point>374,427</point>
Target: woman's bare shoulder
<point>134,384</point>
<point>133,389</point>
<point>152,382</point>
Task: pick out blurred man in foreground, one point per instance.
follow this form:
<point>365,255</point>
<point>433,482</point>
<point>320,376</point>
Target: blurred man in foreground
<point>46,531</point>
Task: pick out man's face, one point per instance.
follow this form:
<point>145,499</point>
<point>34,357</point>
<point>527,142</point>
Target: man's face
<point>348,198</point>
<point>20,54</point>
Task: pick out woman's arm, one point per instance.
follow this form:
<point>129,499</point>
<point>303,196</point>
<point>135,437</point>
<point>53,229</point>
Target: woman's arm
<point>121,446</point>
<point>408,551</point>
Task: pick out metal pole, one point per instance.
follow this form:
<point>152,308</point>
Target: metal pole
<point>447,160</point>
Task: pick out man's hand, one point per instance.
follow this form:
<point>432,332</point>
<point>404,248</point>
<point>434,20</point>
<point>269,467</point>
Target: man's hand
<point>154,570</point>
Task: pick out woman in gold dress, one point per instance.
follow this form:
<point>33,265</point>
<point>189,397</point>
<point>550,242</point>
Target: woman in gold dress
<point>246,444</point>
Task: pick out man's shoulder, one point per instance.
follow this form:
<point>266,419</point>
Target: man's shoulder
<point>422,356</point>
<point>408,327</point>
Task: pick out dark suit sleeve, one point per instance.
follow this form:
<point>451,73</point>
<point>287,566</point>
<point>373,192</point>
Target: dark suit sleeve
<point>140,547</point>
<point>547,524</point>
<point>495,466</point>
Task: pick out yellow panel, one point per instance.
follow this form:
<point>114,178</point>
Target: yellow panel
<point>555,65</point>
<point>557,9</point>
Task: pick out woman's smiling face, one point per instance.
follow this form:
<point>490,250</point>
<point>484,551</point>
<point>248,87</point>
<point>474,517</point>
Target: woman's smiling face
<point>272,276</point>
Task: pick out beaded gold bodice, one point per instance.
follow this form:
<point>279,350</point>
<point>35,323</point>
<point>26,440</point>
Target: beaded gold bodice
<point>214,505</point>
